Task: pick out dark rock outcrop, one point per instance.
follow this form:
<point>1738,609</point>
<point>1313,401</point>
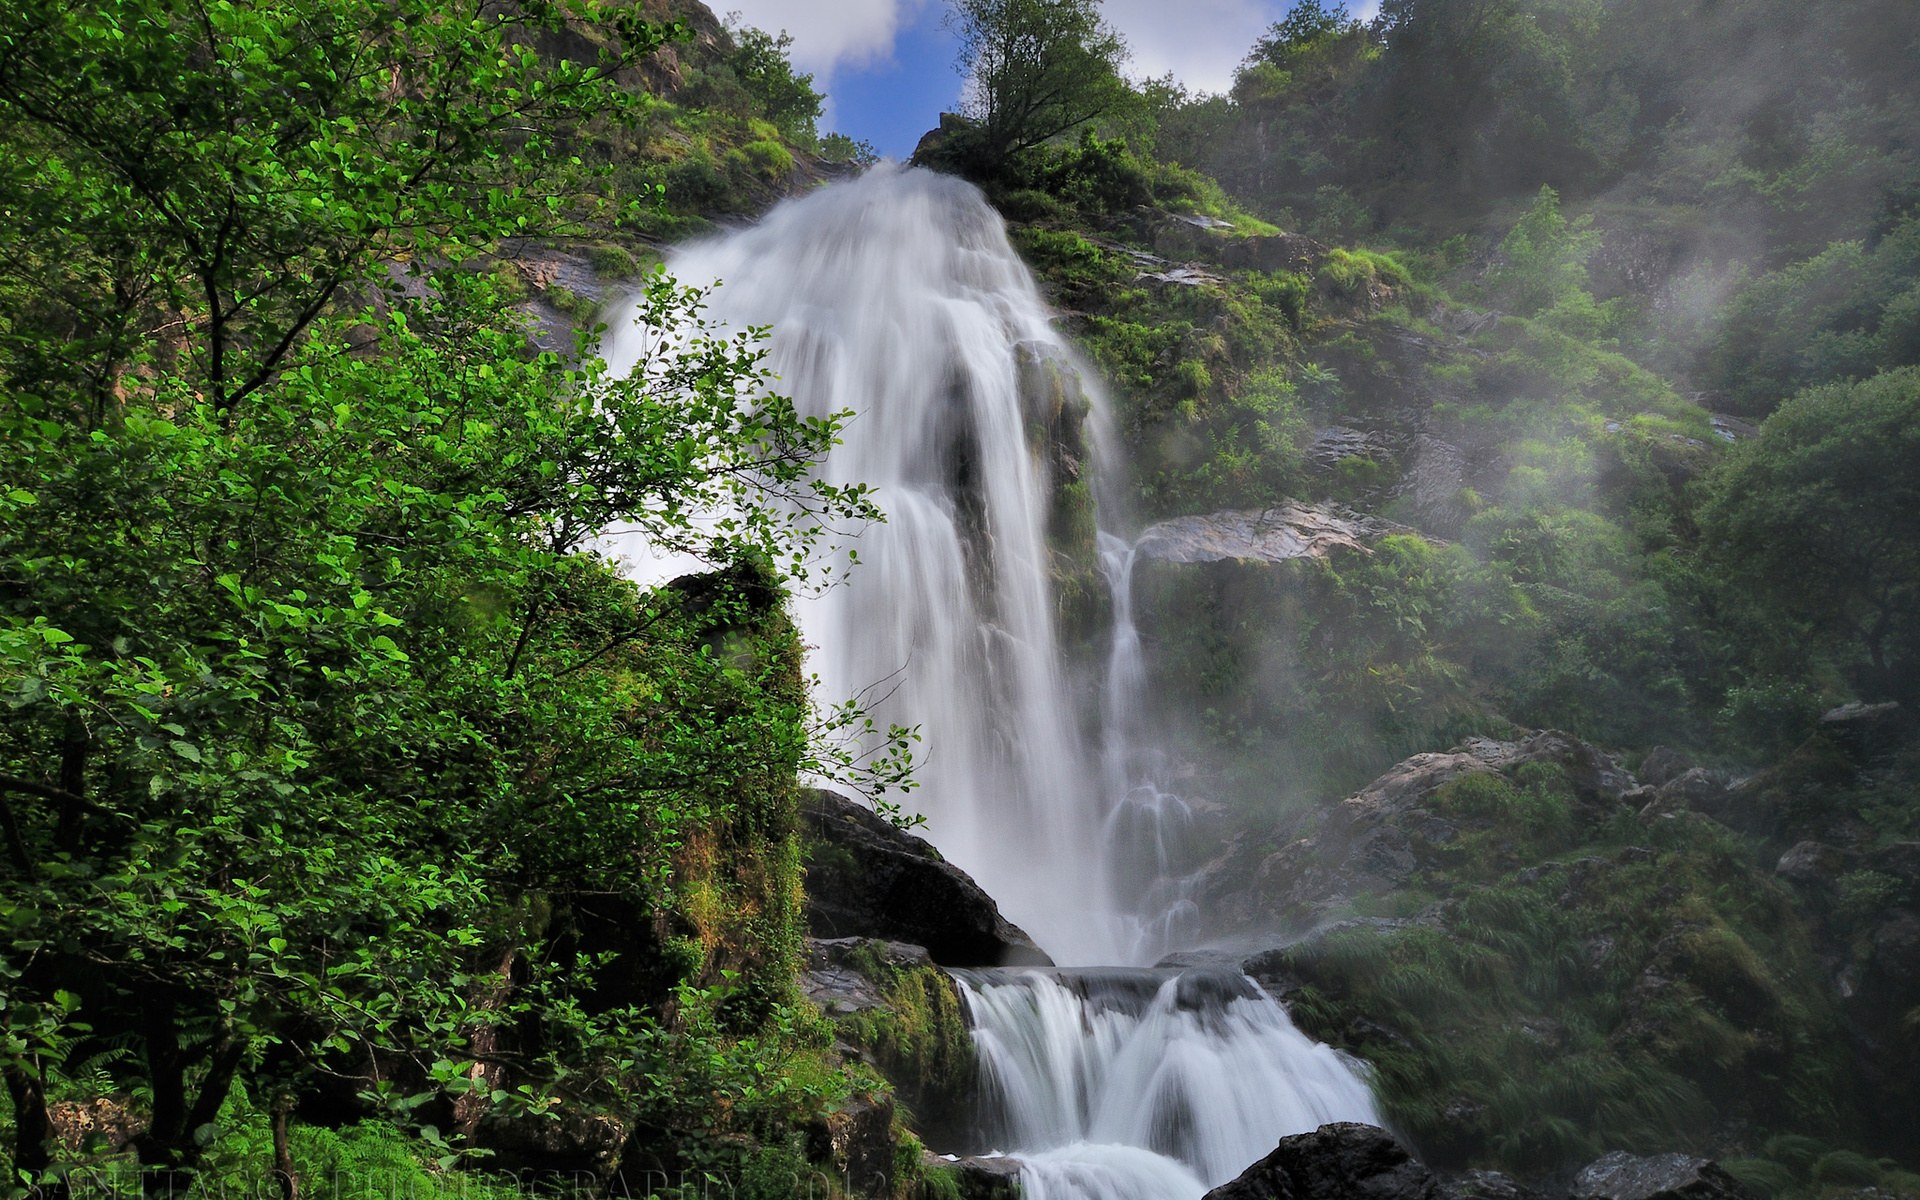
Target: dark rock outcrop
<point>867,879</point>
<point>985,1178</point>
<point>1622,1176</point>
<point>857,1138</point>
<point>1342,1161</point>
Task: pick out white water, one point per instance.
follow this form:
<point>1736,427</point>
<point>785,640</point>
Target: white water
<point>1085,1070</point>
<point>898,297</point>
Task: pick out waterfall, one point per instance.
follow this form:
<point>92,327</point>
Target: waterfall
<point>1155,1084</point>
<point>897,296</point>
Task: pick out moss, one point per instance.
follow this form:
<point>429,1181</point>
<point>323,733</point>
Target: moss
<point>1525,1031</point>
<point>918,1038</point>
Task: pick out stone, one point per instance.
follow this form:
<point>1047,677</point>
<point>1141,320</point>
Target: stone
<point>1272,253</point>
<point>1663,764</point>
<point>983,1178</point>
<point>867,879</point>
<point>1484,1185</point>
<point>1271,535</point>
<point>1869,731</point>
<point>1341,1161</point>
<point>1811,862</point>
<point>1622,1176</point>
<point>857,1138</point>
<point>575,1147</point>
<point>1435,474</point>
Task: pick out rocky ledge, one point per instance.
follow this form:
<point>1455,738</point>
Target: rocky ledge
<point>867,879</point>
<point>1271,535</point>
<point>1348,1161</point>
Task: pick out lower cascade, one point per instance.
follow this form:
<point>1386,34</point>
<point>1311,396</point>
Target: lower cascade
<point>1137,1084</point>
<point>897,297</point>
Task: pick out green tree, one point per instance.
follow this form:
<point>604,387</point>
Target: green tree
<point>1035,70</point>
<point>206,178</point>
<point>764,68</point>
<point>325,738</point>
<point>1543,258</point>
<point>1817,520</point>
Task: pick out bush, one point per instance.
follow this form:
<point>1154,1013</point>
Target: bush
<point>614,262</point>
<point>1847,1169</point>
<point>768,159</point>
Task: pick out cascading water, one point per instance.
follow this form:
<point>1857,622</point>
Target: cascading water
<point>1156,1084</point>
<point>898,297</point>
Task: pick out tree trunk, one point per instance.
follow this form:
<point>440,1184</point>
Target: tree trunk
<point>33,1133</point>
<point>283,1172</point>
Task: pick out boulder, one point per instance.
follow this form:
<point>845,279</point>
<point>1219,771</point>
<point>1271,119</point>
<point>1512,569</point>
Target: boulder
<point>1811,863</point>
<point>867,879</point>
<point>1376,840</point>
<point>1622,1176</point>
<point>1341,1161</point>
<point>1483,1185</point>
<point>983,1178</point>
<point>1869,731</point>
<point>1663,764</point>
<point>1272,253</point>
<point>857,1138</point>
<point>1271,535</point>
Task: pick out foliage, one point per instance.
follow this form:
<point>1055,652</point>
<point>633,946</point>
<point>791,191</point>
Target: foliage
<point>224,171</point>
<point>760,64</point>
<point>1815,520</point>
<point>317,708</point>
<point>1543,260</point>
<point>1843,314</point>
<point>1035,69</point>
<point>1514,1036</point>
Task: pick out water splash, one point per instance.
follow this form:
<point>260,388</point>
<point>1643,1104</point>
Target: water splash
<point>1157,1084</point>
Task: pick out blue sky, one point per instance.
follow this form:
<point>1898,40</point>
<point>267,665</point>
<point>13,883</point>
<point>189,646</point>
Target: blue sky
<point>887,66</point>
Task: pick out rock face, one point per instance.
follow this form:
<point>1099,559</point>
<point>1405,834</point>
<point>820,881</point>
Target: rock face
<point>1278,252</point>
<point>867,879</point>
<point>1374,841</point>
<point>1621,1176</point>
<point>1342,1161</point>
<point>1271,535</point>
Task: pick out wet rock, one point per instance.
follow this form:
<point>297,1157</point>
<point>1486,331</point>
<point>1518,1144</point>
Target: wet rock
<point>1341,1161</point>
<point>1271,535</point>
<point>1464,322</point>
<point>867,879</point>
<point>1622,1176</point>
<point>983,1178</point>
<point>835,978</point>
<point>1811,863</point>
<point>1663,764</point>
<point>1483,1185</point>
<point>1336,443</point>
<point>1435,475</point>
<point>857,1138</point>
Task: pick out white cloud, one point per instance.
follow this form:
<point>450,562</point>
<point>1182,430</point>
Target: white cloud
<point>829,33</point>
<point>1200,41</point>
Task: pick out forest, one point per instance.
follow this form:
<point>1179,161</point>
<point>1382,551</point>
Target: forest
<point>371,832</point>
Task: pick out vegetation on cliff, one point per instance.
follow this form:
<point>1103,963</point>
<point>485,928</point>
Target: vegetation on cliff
<point>1607,307</point>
